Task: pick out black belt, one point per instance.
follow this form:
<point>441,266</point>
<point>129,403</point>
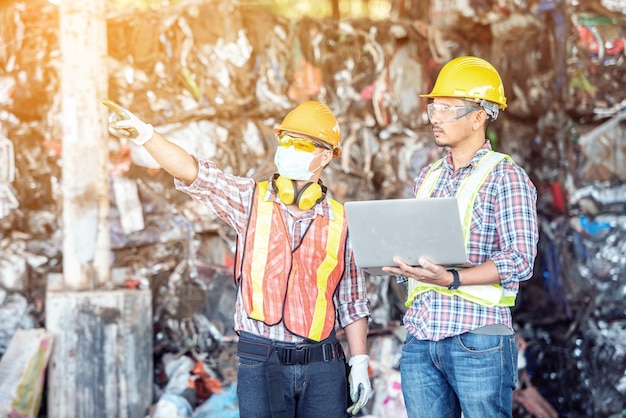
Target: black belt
<point>288,354</point>
<point>309,354</point>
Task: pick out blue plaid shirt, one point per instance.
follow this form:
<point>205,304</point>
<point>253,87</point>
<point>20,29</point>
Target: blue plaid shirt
<point>504,230</point>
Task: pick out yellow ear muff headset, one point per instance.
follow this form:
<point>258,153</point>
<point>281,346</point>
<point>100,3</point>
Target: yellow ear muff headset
<point>305,199</point>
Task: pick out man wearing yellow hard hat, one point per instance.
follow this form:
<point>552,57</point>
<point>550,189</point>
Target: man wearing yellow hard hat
<point>295,271</point>
<point>460,355</point>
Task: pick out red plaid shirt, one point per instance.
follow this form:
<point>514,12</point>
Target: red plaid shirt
<point>230,197</point>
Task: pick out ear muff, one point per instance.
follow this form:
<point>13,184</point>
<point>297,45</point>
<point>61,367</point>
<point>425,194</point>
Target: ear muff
<point>285,188</point>
<point>288,193</point>
<point>310,194</point>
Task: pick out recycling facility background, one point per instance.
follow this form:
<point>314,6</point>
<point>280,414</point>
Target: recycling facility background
<point>216,78</point>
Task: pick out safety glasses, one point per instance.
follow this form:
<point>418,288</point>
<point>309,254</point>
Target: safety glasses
<point>445,113</point>
<point>301,144</point>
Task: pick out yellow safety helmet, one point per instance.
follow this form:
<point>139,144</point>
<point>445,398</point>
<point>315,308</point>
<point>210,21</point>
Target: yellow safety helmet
<point>469,78</point>
<point>316,120</point>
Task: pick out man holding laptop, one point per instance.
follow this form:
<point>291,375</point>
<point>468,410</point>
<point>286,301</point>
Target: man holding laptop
<point>460,355</point>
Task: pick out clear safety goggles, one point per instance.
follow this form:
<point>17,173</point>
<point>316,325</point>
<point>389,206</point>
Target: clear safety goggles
<point>301,144</point>
<point>444,113</point>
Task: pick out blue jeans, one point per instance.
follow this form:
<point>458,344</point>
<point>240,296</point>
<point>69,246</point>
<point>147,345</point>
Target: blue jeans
<point>317,389</point>
<point>473,373</point>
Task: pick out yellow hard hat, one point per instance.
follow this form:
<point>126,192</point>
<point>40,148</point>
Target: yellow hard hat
<point>469,78</point>
<point>316,120</point>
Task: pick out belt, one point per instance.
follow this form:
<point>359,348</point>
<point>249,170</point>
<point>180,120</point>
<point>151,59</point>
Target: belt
<point>304,355</point>
<point>289,354</point>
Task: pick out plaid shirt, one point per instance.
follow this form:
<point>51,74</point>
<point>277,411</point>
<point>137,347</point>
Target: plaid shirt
<point>504,230</point>
<point>231,199</point>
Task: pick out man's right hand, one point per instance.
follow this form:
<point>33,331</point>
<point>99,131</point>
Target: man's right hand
<point>124,124</point>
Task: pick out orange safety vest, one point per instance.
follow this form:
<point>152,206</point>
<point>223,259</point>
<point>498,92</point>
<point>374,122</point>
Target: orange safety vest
<point>295,286</point>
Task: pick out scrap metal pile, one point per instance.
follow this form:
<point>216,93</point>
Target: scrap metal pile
<point>216,77</point>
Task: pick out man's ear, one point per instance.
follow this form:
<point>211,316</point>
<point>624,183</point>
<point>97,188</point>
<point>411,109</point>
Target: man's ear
<point>479,119</point>
<point>327,156</point>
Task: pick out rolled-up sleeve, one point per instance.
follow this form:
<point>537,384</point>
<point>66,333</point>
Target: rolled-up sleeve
<point>229,196</point>
<point>352,301</point>
<point>517,228</point>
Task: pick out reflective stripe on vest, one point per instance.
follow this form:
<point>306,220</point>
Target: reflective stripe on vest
<point>260,253</point>
<point>333,242</point>
<point>294,287</point>
<point>485,295</point>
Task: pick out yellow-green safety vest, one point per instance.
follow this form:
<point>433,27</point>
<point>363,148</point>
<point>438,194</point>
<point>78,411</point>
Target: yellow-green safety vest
<point>485,295</point>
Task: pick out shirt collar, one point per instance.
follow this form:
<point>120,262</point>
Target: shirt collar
<point>472,163</point>
<point>322,209</point>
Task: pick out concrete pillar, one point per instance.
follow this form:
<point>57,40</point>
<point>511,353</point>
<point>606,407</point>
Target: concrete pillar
<point>101,363</point>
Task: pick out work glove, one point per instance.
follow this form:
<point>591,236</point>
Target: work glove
<point>359,380</point>
<point>124,124</point>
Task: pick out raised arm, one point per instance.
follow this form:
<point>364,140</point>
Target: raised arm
<point>173,158</point>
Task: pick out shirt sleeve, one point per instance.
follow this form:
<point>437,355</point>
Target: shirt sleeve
<point>352,301</point>
<point>229,196</point>
<point>517,227</point>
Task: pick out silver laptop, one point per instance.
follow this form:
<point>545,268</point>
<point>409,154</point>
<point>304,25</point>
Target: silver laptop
<point>406,228</point>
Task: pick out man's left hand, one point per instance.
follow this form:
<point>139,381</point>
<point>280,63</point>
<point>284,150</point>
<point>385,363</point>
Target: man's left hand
<point>426,272</point>
<point>360,386</point>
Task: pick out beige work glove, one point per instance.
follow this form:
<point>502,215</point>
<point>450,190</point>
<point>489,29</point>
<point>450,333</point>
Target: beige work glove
<point>359,380</point>
<point>124,124</point>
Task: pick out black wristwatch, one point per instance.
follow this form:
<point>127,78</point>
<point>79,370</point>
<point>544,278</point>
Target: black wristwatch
<point>456,281</point>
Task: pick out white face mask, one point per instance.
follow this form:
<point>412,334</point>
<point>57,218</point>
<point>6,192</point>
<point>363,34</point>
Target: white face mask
<point>293,164</point>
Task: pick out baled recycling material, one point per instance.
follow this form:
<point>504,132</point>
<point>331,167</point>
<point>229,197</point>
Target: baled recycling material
<point>216,77</point>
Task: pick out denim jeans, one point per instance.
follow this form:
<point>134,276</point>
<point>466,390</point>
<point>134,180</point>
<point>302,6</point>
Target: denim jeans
<point>317,389</point>
<point>473,373</point>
